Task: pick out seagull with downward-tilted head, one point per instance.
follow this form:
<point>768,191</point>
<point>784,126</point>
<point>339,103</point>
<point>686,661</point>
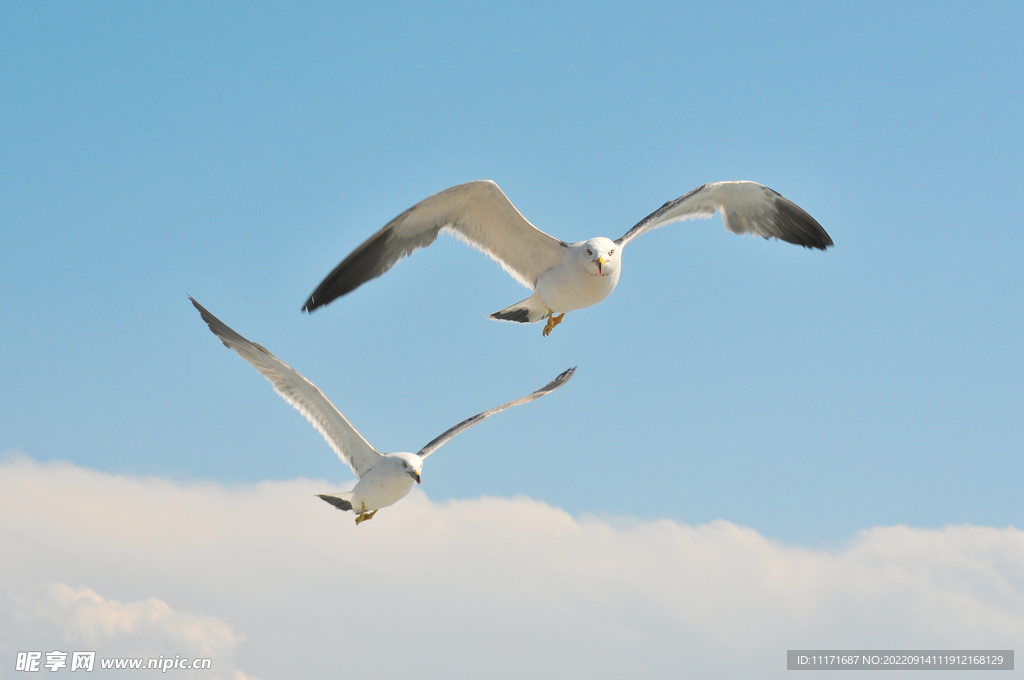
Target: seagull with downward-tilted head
<point>563,276</point>
<point>384,478</point>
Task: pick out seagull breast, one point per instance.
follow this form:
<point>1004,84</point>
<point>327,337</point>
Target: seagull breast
<point>384,485</point>
<point>577,282</point>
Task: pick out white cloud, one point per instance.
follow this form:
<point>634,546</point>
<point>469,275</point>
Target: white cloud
<point>70,619</point>
<point>82,616</point>
<point>483,588</point>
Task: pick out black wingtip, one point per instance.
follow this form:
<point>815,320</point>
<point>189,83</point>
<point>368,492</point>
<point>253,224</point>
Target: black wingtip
<point>819,241</point>
<point>319,298</point>
<point>823,244</point>
<point>803,229</point>
<point>202,310</point>
<point>338,283</point>
<point>334,285</point>
<point>560,380</point>
<point>371,259</point>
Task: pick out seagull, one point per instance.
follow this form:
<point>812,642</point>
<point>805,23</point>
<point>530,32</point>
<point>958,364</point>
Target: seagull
<point>563,276</point>
<point>384,478</point>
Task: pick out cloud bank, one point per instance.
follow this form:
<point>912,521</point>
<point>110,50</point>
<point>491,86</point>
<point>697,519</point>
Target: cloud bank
<point>274,583</point>
<point>58,617</point>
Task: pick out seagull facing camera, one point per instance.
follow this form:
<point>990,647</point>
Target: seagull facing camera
<point>563,276</point>
<point>384,478</point>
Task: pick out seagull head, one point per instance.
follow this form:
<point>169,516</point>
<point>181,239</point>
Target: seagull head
<point>408,463</point>
<point>601,256</point>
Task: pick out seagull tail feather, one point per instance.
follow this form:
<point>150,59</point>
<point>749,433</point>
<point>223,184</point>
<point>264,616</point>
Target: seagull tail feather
<point>342,501</point>
<point>529,310</point>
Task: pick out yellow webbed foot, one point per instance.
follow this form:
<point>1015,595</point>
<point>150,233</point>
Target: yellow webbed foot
<point>363,516</point>
<point>553,321</point>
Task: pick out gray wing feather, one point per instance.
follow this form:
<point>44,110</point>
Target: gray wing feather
<point>302,394</point>
<point>746,207</point>
<point>441,439</point>
<point>476,212</point>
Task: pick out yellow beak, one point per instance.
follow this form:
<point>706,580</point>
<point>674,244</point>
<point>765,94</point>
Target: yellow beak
<point>601,262</point>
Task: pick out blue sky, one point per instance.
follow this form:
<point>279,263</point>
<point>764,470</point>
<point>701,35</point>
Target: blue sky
<point>237,154</point>
<point>751,422</point>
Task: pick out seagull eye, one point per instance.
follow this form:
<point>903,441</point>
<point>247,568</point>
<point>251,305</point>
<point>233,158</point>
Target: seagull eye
<point>589,251</point>
<point>405,465</point>
<point>611,252</point>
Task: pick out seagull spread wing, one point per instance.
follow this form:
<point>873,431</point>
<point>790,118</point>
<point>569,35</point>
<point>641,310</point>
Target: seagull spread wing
<point>476,212</point>
<point>746,207</point>
<point>302,394</point>
<point>441,439</point>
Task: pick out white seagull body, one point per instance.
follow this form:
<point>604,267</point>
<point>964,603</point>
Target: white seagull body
<point>564,276</point>
<point>384,478</point>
